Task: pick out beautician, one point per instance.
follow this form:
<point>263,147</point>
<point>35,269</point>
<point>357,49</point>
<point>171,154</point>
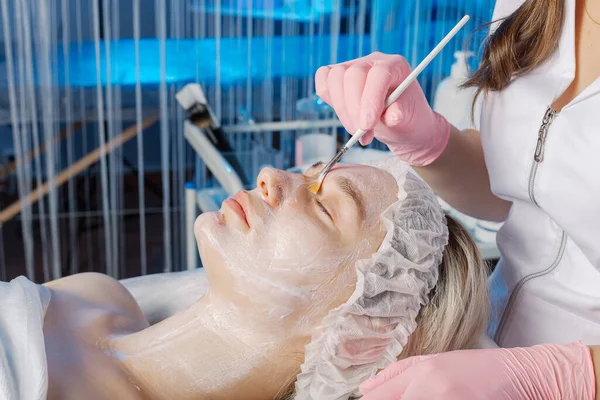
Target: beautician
<point>534,162</point>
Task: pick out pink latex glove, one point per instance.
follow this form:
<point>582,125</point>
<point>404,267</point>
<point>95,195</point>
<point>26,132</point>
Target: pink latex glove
<point>357,91</point>
<point>543,372</point>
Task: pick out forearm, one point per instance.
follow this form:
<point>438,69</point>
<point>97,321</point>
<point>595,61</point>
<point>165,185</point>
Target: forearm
<point>596,361</point>
<point>460,177</point>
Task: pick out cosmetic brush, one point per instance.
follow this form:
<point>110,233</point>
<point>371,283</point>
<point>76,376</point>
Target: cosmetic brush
<point>315,185</point>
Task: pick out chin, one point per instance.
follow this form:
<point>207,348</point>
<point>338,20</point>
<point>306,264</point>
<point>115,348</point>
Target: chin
<point>205,223</point>
<point>211,237</point>
<point>211,255</point>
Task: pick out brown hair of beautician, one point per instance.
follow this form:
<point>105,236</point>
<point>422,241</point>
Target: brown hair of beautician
<point>521,42</point>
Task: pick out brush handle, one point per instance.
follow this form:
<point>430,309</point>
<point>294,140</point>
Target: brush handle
<point>413,75</point>
<point>355,138</point>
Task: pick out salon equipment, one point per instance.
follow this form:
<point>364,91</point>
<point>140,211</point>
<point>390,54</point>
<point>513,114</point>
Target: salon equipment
<point>203,132</point>
<point>391,99</point>
<point>314,147</point>
<point>483,232</point>
<point>73,170</point>
<point>12,167</point>
<point>486,231</point>
<point>318,143</point>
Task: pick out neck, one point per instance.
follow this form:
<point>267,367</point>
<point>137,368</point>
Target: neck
<point>210,350</point>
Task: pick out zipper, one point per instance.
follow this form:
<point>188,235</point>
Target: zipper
<point>538,157</point>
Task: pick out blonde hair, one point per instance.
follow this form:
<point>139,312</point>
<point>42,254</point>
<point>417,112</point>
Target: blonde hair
<point>458,309</point>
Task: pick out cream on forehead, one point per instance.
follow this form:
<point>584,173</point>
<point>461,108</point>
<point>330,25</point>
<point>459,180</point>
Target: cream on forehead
<point>377,187</point>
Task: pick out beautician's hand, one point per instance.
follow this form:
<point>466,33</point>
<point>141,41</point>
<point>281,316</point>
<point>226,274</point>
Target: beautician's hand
<point>357,91</point>
<point>544,372</point>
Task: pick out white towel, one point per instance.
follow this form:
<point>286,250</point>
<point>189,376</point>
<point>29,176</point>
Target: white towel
<point>23,367</point>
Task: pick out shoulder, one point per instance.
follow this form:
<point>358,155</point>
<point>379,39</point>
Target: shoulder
<point>85,283</point>
<point>97,290</point>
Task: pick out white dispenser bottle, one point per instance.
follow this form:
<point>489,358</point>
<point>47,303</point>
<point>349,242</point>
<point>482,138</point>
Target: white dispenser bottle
<point>451,100</point>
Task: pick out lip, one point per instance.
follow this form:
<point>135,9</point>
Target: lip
<point>242,199</point>
<point>239,206</point>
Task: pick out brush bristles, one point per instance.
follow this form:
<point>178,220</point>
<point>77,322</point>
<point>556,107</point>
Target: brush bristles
<point>314,187</point>
<point>315,184</point>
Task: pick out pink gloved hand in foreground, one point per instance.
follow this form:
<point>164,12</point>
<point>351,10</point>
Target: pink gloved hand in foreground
<point>544,372</point>
<point>357,90</point>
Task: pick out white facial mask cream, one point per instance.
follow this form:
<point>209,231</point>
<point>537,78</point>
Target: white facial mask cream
<point>293,255</point>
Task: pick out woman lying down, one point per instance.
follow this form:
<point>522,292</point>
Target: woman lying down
<point>307,296</point>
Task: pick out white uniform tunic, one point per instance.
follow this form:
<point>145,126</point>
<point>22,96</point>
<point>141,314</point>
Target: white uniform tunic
<point>546,289</point>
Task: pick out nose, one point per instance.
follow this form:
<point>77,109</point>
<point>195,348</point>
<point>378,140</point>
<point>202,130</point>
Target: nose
<point>270,182</point>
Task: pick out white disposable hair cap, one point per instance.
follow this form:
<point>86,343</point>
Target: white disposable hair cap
<point>369,331</point>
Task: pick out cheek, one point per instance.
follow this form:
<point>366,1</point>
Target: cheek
<point>301,242</point>
<point>286,266</point>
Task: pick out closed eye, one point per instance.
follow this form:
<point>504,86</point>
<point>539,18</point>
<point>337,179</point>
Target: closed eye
<point>322,207</point>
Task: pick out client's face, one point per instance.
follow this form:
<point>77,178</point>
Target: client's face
<point>288,254</point>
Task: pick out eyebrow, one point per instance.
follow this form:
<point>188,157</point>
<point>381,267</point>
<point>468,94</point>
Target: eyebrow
<point>348,188</point>
<point>315,165</point>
